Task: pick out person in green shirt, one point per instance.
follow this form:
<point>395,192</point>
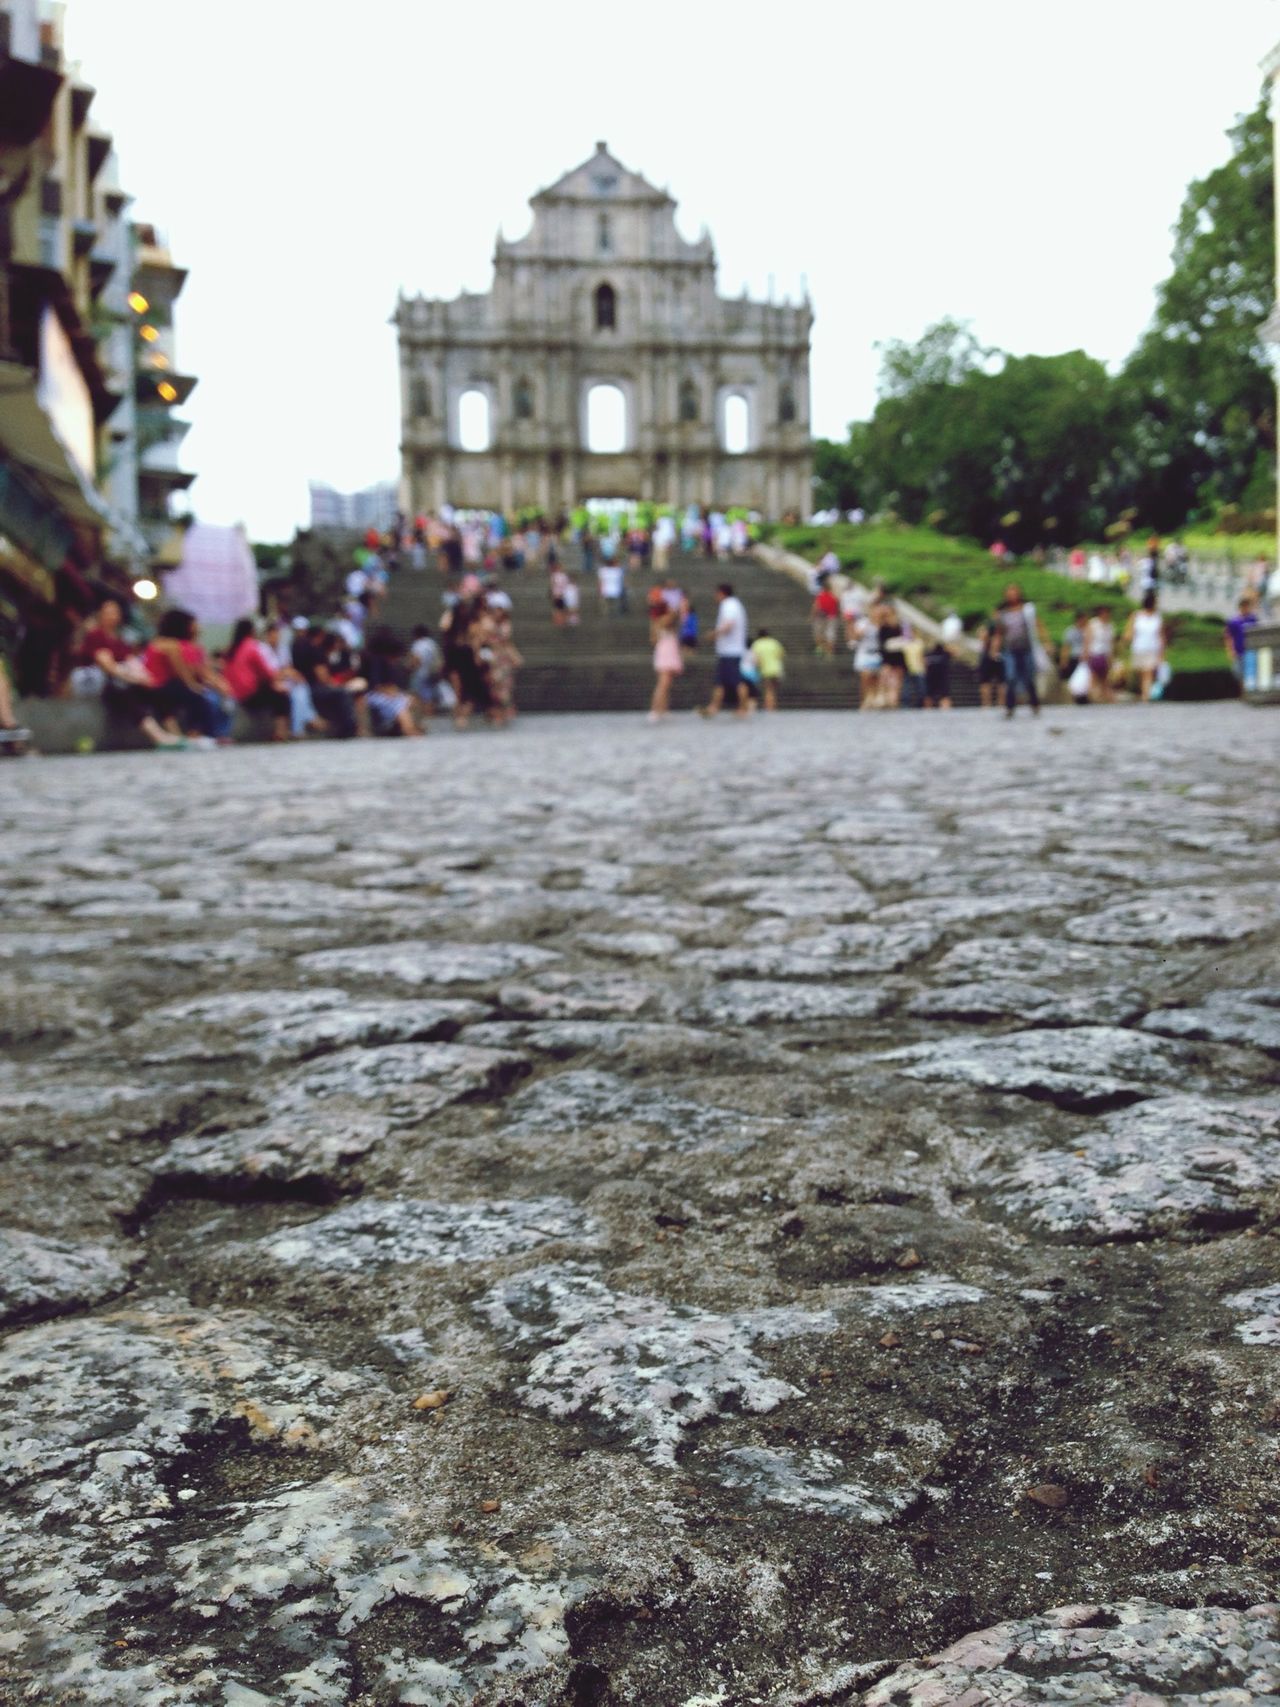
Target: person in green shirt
<point>770,656</point>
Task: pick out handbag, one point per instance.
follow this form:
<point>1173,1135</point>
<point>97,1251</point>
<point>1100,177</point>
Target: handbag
<point>1078,681</point>
<point>87,681</point>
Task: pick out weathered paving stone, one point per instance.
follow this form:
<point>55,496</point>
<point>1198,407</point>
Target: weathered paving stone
<point>802,899</point>
<point>284,1025</point>
<point>1176,917</point>
<point>290,850</point>
<point>643,1044</point>
<point>1172,1162</point>
<point>631,945</point>
<point>1134,1654</point>
<point>1087,1067</point>
<point>650,1370</point>
<point>409,1080</point>
<point>563,995</point>
<point>330,1560</point>
<point>820,1483</point>
<point>47,1277</point>
<point>851,952</point>
<point>429,962</point>
<point>1262,1308</point>
<point>1250,1018</point>
<point>47,945</point>
<point>369,1234</point>
<point>44,1017</point>
<point>263,1598</point>
<point>437,1278</point>
<point>312,1152</point>
<point>587,1100</point>
<point>1035,959</point>
<point>752,1002</point>
<point>1036,1004</point>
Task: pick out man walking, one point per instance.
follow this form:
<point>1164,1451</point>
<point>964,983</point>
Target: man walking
<point>731,643</point>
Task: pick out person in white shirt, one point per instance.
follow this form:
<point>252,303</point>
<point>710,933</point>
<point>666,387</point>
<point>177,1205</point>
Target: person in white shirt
<point>731,643</point>
<point>609,579</point>
<point>664,537</point>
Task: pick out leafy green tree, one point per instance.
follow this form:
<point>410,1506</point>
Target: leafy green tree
<point>1198,394</point>
<point>835,481</point>
<point>946,354</point>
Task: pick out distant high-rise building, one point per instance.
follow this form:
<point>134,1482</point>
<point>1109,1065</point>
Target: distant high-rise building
<point>372,507</point>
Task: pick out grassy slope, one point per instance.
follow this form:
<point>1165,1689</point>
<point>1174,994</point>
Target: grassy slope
<point>941,574</point>
<point>1241,547</point>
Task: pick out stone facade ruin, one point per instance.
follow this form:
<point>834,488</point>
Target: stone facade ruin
<point>603,363</point>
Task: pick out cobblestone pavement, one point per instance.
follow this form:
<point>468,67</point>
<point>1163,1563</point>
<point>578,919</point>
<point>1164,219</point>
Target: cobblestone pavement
<point>772,1214</point>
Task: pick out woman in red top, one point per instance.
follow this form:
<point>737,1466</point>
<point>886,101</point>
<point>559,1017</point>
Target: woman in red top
<point>254,680</point>
<point>127,689</point>
<point>188,688</point>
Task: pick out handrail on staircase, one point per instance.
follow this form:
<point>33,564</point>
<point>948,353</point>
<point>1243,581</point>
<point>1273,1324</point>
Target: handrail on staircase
<point>964,647</point>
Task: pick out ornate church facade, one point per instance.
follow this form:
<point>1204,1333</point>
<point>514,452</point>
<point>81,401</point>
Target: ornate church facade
<point>604,364</point>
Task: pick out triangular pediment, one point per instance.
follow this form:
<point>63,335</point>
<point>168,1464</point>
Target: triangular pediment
<point>602,179</point>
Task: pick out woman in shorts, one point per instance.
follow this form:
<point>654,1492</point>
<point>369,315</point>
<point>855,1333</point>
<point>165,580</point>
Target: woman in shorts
<point>893,662</point>
<point>865,641</point>
<point>668,661</point>
<point>1099,646</point>
<point>1145,637</point>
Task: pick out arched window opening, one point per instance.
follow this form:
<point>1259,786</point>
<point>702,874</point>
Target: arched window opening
<point>604,238</point>
<point>737,425</point>
<point>606,308</point>
<point>688,400</point>
<point>606,420</point>
<point>473,421</point>
<point>419,397</point>
<point>786,406</point>
<point>524,400</point>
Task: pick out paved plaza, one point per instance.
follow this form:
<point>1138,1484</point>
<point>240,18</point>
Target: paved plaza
<point>773,1213</point>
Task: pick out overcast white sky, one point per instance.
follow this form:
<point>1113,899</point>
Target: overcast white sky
<point>1008,161</point>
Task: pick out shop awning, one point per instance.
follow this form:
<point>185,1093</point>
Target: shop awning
<point>27,435</point>
<point>43,469</point>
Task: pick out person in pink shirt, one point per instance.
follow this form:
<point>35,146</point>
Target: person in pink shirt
<point>254,678</point>
<point>188,689</point>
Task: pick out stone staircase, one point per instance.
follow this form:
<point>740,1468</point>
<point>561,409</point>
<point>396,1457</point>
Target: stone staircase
<point>605,663</point>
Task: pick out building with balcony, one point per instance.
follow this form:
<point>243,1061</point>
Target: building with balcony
<point>83,404</point>
<point>159,385</point>
<point>604,363</point>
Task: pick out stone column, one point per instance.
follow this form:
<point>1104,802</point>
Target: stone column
<point>502,402</point>
<point>773,504</point>
<point>802,390</point>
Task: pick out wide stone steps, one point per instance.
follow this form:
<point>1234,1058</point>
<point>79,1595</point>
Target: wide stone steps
<point>604,663</point>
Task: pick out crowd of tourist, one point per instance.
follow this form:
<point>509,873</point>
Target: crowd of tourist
<point>347,676</point>
<point>351,674</point>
